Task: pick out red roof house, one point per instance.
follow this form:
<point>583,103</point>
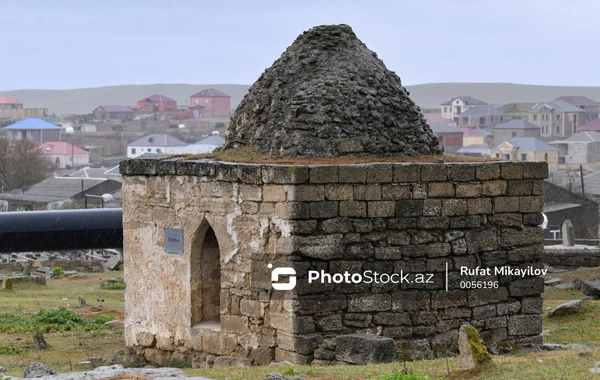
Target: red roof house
<point>64,154</point>
<point>6,102</point>
<point>211,103</point>
<point>157,103</point>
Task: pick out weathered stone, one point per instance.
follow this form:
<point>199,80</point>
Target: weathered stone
<point>37,370</point>
<point>473,353</point>
<point>7,283</point>
<point>145,339</point>
<point>591,288</point>
<point>39,341</point>
<point>524,325</point>
<point>567,308</point>
<point>365,349</point>
<point>318,97</point>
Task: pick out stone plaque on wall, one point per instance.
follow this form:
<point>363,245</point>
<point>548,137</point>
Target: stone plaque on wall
<point>174,240</point>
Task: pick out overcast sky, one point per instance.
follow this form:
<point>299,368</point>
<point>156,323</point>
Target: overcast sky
<point>77,44</point>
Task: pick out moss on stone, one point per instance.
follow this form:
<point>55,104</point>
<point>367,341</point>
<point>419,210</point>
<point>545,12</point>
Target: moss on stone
<point>478,349</point>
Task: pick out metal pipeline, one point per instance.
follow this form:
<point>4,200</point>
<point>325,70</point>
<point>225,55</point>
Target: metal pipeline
<point>61,230</point>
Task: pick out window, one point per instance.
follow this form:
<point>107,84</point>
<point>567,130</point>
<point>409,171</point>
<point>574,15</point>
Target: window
<point>158,150</point>
<point>441,138</point>
<point>465,120</point>
<point>482,120</point>
<point>557,116</point>
<point>196,100</point>
<point>206,101</point>
<point>149,149</point>
<point>545,156</point>
<point>557,130</point>
<point>501,118</point>
<point>497,155</point>
<point>514,134</point>
<point>523,157</point>
<point>132,150</point>
<point>534,117</point>
<point>57,161</point>
<point>445,109</point>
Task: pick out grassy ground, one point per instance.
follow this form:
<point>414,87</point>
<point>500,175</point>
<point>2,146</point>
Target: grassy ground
<point>68,348</point>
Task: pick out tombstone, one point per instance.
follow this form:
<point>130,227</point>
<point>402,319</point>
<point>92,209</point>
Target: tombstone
<point>81,302</point>
<point>114,262</point>
<point>568,233</point>
<point>7,283</point>
<point>39,341</point>
<point>473,353</point>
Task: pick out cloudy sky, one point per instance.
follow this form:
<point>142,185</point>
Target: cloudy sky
<point>76,44</point>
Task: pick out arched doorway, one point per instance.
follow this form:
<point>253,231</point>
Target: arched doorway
<point>206,279</point>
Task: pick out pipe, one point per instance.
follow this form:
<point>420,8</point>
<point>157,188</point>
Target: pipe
<point>60,230</point>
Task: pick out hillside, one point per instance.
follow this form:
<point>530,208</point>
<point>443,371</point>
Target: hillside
<point>431,95</point>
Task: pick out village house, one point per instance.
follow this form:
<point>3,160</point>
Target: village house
<point>155,143</point>
<point>527,149</point>
<point>63,154</point>
<point>515,128</point>
<point>433,118</point>
<point>450,137</point>
<point>157,103</point>
<point>580,149</point>
<point>108,113</point>
<point>557,118</point>
<point>210,103</point>
<point>591,108</point>
<point>34,129</point>
<point>472,136</point>
<point>593,125</point>
<point>6,102</point>
<point>480,117</point>
<point>455,106</point>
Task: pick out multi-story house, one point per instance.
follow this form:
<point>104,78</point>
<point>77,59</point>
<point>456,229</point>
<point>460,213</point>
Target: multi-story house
<point>450,137</point>
<point>557,118</point>
<point>157,103</point>
<point>455,106</point>
<point>580,149</point>
<point>480,117</point>
<point>591,108</point>
<point>6,102</point>
<point>107,113</point>
<point>155,143</point>
<point>515,128</point>
<point>210,103</point>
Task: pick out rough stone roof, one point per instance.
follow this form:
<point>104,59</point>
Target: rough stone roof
<point>527,143</point>
<point>578,100</point>
<point>157,98</point>
<point>583,137</point>
<point>556,106</point>
<point>593,125</point>
<point>328,94</point>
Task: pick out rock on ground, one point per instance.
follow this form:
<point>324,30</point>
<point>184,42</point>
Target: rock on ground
<point>108,372</point>
<point>567,308</point>
<point>365,349</point>
<point>591,288</point>
<point>37,370</point>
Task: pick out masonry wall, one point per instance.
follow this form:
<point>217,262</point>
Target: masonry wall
<point>414,218</point>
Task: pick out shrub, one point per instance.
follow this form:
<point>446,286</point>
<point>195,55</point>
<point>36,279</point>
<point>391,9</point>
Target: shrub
<point>7,350</point>
<point>60,316</point>
<point>58,271</point>
<point>118,285</point>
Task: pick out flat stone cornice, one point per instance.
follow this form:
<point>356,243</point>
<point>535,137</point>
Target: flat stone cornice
<point>384,172</point>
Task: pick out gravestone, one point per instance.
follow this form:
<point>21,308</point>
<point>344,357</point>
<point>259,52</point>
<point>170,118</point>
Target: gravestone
<point>568,233</point>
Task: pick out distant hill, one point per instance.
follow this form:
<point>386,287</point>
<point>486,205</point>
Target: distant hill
<point>85,100</point>
<point>81,101</point>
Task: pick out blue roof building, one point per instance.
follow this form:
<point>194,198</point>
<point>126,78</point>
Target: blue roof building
<point>36,130</point>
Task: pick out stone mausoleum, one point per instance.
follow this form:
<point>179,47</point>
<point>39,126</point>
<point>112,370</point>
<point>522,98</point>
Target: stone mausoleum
<point>224,260</point>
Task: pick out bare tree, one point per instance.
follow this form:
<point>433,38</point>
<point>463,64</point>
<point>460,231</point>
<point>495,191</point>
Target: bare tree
<point>22,165</point>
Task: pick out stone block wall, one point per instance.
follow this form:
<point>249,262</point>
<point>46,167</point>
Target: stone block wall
<point>420,219</point>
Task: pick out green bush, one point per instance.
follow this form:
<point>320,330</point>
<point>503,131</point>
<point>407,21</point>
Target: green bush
<point>7,350</point>
<point>60,316</point>
<point>58,271</point>
<point>114,286</point>
<point>103,319</point>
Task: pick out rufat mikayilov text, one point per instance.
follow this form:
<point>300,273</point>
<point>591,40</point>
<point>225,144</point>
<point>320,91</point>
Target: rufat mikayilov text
<point>504,270</point>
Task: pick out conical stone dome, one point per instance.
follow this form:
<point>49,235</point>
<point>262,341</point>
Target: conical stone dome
<point>329,95</point>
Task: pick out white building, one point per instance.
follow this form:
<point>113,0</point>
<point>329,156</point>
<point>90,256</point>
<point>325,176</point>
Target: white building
<point>159,144</point>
